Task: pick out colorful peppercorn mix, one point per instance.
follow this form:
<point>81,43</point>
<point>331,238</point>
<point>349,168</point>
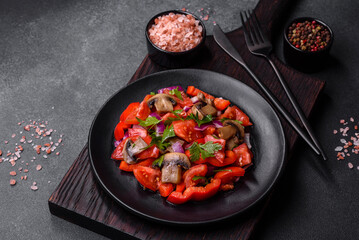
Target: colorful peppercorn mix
<point>309,36</point>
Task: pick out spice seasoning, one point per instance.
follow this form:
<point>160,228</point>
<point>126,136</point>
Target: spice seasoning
<point>309,36</point>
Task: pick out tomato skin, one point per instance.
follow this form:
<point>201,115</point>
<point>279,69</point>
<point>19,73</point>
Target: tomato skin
<point>137,132</point>
<point>147,177</point>
<point>229,176</point>
<point>209,131</point>
<point>152,152</point>
<point>195,193</point>
<point>119,130</point>
<point>221,104</point>
<point>143,110</point>
<point>236,114</point>
<point>243,154</point>
<point>192,91</point>
<point>219,155</point>
<point>129,167</point>
<point>229,159</point>
<point>165,189</point>
<point>132,107</point>
<point>167,116</point>
<point>185,130</point>
<point>180,187</point>
<point>117,153</point>
<point>197,170</point>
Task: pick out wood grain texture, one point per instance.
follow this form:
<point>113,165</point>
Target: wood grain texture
<point>79,199</point>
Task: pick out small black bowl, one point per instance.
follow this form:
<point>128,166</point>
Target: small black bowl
<point>174,59</point>
<point>305,60</point>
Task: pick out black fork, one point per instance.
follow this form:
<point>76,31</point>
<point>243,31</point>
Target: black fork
<point>258,44</point>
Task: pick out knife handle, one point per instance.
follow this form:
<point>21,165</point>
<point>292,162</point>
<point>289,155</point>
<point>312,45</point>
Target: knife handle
<point>280,108</point>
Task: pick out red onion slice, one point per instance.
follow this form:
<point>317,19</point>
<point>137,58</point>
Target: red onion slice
<point>154,114</point>
<point>126,135</point>
<point>170,88</point>
<point>160,128</point>
<point>186,108</point>
<point>138,126</point>
<point>116,143</point>
<point>203,127</point>
<point>217,124</point>
<point>177,147</point>
<point>195,99</point>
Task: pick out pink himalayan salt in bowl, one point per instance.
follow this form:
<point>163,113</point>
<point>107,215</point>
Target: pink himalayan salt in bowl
<point>176,32</point>
<point>175,38</point>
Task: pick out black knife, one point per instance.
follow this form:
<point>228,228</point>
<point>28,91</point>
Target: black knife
<point>222,40</point>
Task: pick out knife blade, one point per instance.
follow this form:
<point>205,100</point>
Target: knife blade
<point>222,40</point>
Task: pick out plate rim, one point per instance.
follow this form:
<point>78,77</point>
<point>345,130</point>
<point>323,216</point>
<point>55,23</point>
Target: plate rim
<point>181,223</point>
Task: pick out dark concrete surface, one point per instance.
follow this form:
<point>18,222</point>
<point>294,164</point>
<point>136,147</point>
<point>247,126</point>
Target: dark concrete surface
<point>61,60</point>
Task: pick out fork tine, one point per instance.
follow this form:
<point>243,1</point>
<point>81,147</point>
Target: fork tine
<point>247,37</point>
<point>251,28</point>
<point>258,27</point>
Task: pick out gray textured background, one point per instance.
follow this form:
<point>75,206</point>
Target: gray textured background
<point>61,60</point>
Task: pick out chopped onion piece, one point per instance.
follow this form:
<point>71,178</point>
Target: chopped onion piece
<point>186,108</point>
<point>195,99</point>
<point>160,128</point>
<point>154,114</point>
<point>116,143</point>
<point>126,135</point>
<point>247,140</point>
<point>171,88</point>
<point>219,113</point>
<point>217,124</point>
<point>177,147</point>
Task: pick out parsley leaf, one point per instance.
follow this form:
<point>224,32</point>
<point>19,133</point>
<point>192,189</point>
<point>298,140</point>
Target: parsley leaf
<point>168,133</point>
<point>225,119</point>
<point>150,121</point>
<point>152,93</point>
<point>206,119</point>
<point>203,150</point>
<point>177,93</point>
<point>158,161</point>
<point>157,140</point>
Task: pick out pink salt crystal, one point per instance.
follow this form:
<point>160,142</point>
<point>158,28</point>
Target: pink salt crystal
<point>352,119</point>
<point>335,131</point>
<point>350,165</point>
<point>34,188</point>
<point>342,121</point>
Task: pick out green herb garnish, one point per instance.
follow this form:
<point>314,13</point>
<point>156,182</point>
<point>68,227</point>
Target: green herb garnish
<point>206,119</point>
<point>177,93</point>
<point>168,133</point>
<point>152,93</point>
<point>158,161</point>
<point>223,170</point>
<point>225,119</point>
<point>203,150</point>
<point>198,177</point>
<point>150,121</point>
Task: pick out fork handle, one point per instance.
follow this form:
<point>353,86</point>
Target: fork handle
<point>297,108</point>
<point>280,108</point>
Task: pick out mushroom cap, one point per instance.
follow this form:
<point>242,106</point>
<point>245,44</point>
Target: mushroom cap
<point>128,156</point>
<point>163,102</point>
<point>237,125</point>
<point>178,159</point>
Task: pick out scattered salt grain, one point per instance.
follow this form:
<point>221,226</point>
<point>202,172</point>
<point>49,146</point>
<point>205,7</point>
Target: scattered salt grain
<point>350,165</point>
<point>339,148</point>
<point>13,173</point>
<point>34,188</point>
<point>12,182</point>
<point>38,167</point>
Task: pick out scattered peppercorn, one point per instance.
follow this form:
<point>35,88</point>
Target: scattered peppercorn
<point>309,36</point>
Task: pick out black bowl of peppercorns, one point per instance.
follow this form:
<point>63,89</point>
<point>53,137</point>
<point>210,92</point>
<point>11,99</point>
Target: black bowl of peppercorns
<point>307,41</point>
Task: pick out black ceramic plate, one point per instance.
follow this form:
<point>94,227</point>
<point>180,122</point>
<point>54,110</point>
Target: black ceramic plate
<point>267,137</point>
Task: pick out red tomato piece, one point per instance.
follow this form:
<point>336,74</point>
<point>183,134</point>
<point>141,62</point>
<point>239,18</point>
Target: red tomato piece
<point>195,193</point>
<point>236,114</point>
<point>192,91</point>
<point>137,132</point>
<point>229,159</point>
<point>221,104</point>
<point>143,110</point>
<point>117,153</point>
<point>129,167</point>
<point>167,116</point>
<point>185,130</point>
<point>152,152</point>
<point>244,155</point>
<point>197,170</point>
<point>229,174</point>
<point>119,130</point>
<point>186,101</point>
<point>131,108</point>
<point>147,177</point>
<point>165,189</point>
<point>180,187</point>
<point>209,131</point>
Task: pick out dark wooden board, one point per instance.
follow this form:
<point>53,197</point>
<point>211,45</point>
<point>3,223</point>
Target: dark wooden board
<point>79,199</point>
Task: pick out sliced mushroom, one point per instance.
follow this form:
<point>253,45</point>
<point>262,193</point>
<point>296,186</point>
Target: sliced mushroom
<point>162,102</point>
<point>202,98</point>
<point>233,132</point>
<point>172,167</point>
<point>133,148</point>
<point>203,109</point>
